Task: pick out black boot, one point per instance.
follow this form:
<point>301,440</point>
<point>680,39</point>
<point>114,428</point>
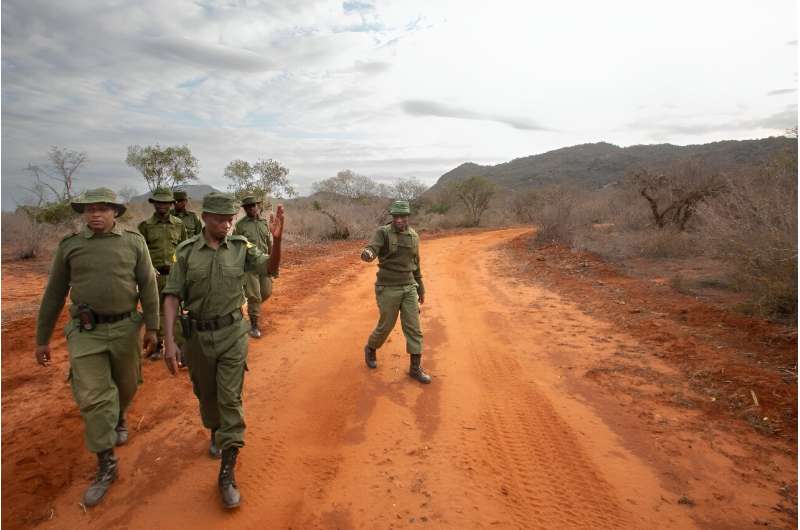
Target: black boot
<point>213,450</point>
<point>158,352</point>
<point>227,480</point>
<point>106,474</point>
<point>371,357</point>
<point>416,371</point>
<point>255,331</point>
<point>122,431</point>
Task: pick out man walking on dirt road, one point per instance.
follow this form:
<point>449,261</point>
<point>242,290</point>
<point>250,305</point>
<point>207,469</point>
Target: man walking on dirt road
<point>257,287</point>
<point>398,288</point>
<point>207,277</point>
<point>162,232</point>
<point>106,271</point>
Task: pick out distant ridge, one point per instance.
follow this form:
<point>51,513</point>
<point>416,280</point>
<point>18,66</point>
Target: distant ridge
<point>598,164</point>
<point>195,192</point>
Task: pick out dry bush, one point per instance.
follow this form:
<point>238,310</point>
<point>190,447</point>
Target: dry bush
<point>25,238</point>
<point>555,212</point>
<point>753,227</point>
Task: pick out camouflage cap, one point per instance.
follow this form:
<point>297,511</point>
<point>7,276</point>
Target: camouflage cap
<point>162,195</point>
<point>180,195</point>
<point>220,203</point>
<point>97,196</point>
<point>400,208</point>
<point>251,199</point>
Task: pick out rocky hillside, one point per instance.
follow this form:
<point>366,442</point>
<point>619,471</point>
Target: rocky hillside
<point>599,164</point>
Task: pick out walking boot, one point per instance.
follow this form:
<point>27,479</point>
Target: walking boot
<point>371,357</point>
<point>213,450</point>
<point>255,331</point>
<point>157,353</point>
<point>416,371</point>
<point>227,480</point>
<point>106,474</point>
<point>122,431</point>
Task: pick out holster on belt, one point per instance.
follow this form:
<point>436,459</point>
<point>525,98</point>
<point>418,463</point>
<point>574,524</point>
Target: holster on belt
<point>86,318</point>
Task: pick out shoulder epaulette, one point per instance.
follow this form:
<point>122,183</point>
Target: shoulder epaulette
<point>187,242</point>
<point>128,230</point>
<point>68,236</point>
<point>236,237</point>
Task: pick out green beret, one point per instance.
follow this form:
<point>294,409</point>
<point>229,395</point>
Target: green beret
<point>250,199</point>
<point>162,195</point>
<point>97,196</point>
<point>220,203</point>
<point>400,208</point>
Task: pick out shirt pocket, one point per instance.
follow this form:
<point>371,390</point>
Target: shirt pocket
<point>195,275</point>
<point>232,277</point>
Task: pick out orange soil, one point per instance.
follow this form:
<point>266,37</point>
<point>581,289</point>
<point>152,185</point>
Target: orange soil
<point>546,411</point>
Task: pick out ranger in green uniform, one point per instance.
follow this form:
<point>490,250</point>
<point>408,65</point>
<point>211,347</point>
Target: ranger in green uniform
<point>208,277</point>
<point>189,218</point>
<point>162,232</point>
<point>106,271</point>
<point>399,287</point>
<point>257,287</point>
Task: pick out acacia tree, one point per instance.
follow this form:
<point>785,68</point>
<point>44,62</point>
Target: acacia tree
<point>475,193</point>
<point>163,167</point>
<point>674,195</point>
<point>264,178</point>
<point>58,175</point>
<point>351,185</point>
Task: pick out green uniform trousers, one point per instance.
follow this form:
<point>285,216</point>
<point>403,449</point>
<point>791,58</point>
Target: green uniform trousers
<point>257,289</point>
<point>394,299</point>
<point>217,362</point>
<point>105,371</point>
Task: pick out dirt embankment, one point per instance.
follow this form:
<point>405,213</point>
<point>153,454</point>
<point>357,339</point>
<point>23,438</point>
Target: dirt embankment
<point>561,399</point>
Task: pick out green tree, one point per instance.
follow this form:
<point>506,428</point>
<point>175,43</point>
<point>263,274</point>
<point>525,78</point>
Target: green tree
<point>165,167</point>
<point>475,194</point>
<point>264,178</point>
<point>351,185</point>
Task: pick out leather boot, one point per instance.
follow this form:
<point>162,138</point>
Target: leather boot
<point>106,474</point>
<point>255,331</point>
<point>122,431</point>
<point>227,480</point>
<point>213,450</point>
<point>415,370</point>
<point>371,357</point>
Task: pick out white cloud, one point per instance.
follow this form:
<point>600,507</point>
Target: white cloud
<point>396,88</point>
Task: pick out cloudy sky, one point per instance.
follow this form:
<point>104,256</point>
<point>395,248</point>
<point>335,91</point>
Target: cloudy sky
<point>387,89</point>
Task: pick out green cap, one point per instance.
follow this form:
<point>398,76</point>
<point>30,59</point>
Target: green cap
<point>220,203</point>
<point>97,196</point>
<point>400,208</point>
<point>180,195</point>
<point>250,199</point>
<point>162,195</point>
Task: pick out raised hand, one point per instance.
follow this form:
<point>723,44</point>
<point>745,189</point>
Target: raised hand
<point>276,223</point>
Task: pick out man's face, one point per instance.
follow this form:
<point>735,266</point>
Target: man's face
<point>99,217</point>
<point>251,210</point>
<point>180,206</point>
<point>400,222</point>
<point>217,225</point>
<point>162,208</point>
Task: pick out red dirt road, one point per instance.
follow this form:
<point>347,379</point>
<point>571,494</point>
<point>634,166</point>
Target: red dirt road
<point>510,434</point>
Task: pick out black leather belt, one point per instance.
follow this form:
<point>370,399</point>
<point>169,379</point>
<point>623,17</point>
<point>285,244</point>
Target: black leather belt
<point>108,319</point>
<point>216,323</point>
<point>163,271</point>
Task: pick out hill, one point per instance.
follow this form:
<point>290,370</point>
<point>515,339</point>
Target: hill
<point>195,191</point>
<point>596,165</point>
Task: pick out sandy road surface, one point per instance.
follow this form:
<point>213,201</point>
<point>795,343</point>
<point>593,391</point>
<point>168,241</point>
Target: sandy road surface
<point>500,439</point>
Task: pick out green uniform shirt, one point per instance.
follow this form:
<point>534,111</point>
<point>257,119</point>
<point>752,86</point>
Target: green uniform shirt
<point>162,237</point>
<point>109,272</point>
<point>190,221</point>
<point>397,264</point>
<point>209,281</point>
<point>256,231</point>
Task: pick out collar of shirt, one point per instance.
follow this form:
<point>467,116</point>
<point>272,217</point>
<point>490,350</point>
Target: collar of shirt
<point>88,233</point>
<point>154,219</point>
<point>201,242</point>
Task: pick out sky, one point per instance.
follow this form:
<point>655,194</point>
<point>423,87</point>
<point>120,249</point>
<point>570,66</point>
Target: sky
<point>387,89</point>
